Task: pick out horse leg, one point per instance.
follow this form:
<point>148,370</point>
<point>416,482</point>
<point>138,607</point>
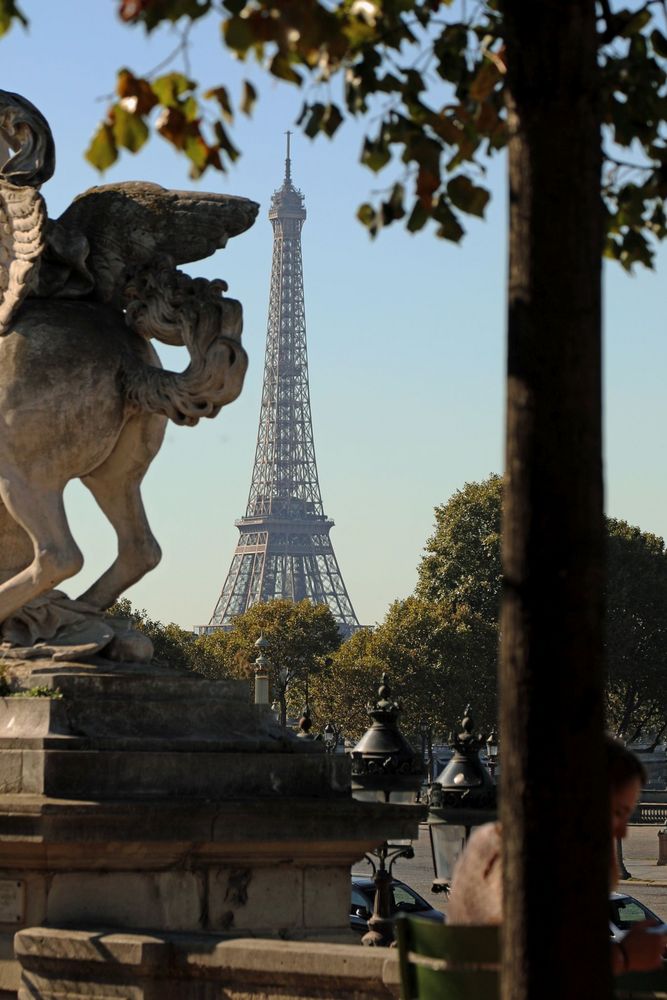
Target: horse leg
<point>116,487</point>
<point>15,546</point>
<point>55,554</point>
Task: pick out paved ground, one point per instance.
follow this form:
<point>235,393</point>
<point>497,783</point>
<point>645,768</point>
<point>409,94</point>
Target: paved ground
<point>649,882</point>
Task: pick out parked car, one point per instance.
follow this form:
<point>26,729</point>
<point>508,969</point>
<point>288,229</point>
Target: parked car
<point>626,911</point>
<point>406,900</point>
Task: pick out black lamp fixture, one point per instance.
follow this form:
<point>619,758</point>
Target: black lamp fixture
<point>492,752</point>
<point>330,738</point>
<point>462,797</point>
<point>385,768</point>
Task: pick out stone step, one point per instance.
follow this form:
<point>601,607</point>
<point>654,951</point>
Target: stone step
<point>148,704</point>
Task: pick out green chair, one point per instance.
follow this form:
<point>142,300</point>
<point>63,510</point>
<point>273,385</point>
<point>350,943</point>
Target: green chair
<point>438,962</point>
<point>640,985</point>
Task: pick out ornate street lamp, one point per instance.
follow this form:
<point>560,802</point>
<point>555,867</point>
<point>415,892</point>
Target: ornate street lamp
<point>492,752</point>
<point>462,797</point>
<point>262,665</point>
<point>385,768</point>
<point>330,738</point>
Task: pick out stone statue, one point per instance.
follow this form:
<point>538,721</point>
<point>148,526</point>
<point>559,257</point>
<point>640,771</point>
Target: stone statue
<point>82,391</point>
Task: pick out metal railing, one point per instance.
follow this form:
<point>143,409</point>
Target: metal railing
<point>650,814</point>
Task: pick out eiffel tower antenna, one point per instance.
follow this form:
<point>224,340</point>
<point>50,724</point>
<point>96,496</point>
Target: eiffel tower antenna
<point>284,549</point>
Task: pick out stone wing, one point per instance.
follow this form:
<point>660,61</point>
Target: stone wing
<point>130,224</point>
<point>22,233</point>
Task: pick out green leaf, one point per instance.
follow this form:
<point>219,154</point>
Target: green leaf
<point>393,208</point>
<point>312,126</point>
<point>238,34</point>
<point>190,109</point>
<point>9,12</point>
<point>234,6</point>
<point>369,218</point>
<point>102,151</point>
<point>248,98</point>
<point>375,154</point>
<point>169,88</point>
<point>366,214</point>
<point>332,119</point>
<point>197,151</point>
<point>467,196</point>
<point>418,218</point>
<point>635,250</point>
<point>281,67</point>
<point>659,43</point>
<point>635,22</point>
<point>130,131</point>
<point>450,228</point>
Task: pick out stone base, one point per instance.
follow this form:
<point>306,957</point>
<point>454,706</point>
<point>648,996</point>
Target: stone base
<point>147,800</point>
<point>57,963</point>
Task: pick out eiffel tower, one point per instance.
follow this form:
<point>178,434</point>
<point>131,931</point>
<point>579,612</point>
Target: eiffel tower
<point>284,549</point>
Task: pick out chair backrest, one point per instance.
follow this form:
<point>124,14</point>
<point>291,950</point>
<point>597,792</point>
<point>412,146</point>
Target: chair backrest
<point>438,962</point>
<point>637,985</point>
<point>447,963</point>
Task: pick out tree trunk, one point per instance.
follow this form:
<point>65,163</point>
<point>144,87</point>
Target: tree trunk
<point>556,838</point>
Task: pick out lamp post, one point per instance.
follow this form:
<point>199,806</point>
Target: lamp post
<point>262,664</point>
<point>462,797</point>
<point>330,738</point>
<point>492,752</point>
<point>385,768</point>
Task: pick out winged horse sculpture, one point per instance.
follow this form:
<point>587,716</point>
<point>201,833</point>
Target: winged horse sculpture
<point>82,391</point>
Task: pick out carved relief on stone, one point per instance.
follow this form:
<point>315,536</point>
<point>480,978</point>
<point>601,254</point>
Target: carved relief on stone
<point>82,391</point>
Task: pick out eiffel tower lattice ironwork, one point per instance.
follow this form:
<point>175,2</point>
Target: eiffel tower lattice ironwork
<point>284,549</point>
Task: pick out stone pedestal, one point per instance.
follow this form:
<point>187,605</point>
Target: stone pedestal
<point>148,799</point>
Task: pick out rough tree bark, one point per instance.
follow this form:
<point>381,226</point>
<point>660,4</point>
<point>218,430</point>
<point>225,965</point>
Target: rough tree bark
<point>554,799</point>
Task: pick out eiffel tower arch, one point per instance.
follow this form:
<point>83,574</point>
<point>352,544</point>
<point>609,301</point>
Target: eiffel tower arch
<point>284,549</point>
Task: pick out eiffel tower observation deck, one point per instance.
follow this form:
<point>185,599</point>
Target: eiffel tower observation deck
<point>284,549</point>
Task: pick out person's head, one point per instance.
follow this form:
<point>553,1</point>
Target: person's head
<point>626,776</point>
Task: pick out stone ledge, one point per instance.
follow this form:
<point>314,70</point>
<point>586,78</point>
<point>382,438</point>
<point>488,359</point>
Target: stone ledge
<point>75,963</point>
<point>35,820</point>
<point>129,773</point>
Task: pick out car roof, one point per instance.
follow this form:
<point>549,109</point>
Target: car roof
<point>367,882</point>
<point>364,880</point>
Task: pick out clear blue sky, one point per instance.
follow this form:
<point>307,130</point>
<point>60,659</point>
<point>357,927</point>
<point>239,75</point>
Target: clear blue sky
<point>405,336</point>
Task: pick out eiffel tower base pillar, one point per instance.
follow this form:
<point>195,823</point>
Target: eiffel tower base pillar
<point>145,801</point>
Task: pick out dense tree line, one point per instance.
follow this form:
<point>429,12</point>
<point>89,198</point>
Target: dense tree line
<point>439,645</point>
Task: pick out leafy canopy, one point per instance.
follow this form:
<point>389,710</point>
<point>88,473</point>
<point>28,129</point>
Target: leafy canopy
<point>300,636</point>
<point>462,561</point>
<point>461,569</point>
<point>428,77</point>
<point>438,661</point>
